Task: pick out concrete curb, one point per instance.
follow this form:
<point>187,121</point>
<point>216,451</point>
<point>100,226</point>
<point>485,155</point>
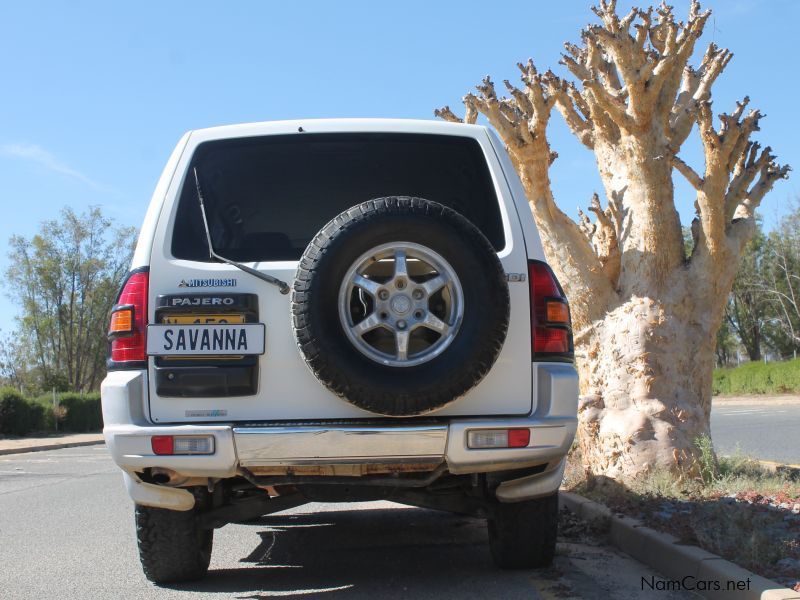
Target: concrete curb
<point>674,560</point>
<point>41,448</point>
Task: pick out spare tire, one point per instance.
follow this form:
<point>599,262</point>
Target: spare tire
<point>400,305</point>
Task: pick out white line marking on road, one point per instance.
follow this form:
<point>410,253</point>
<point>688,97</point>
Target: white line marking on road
<point>734,413</point>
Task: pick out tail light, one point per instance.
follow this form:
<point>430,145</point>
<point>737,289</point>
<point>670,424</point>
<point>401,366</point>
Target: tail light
<point>168,445</point>
<point>551,327</point>
<point>499,438</point>
<point>127,330</point>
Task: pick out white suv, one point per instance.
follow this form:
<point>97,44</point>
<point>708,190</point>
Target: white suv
<point>339,310</point>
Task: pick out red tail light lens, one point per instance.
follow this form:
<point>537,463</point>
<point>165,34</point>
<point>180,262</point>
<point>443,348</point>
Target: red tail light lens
<point>519,438</point>
<point>551,328</point>
<point>127,331</point>
<point>163,444</point>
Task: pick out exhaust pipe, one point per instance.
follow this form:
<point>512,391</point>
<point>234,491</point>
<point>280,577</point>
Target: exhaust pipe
<point>168,477</point>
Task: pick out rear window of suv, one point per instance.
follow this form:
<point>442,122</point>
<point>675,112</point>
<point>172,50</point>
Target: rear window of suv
<point>266,197</point>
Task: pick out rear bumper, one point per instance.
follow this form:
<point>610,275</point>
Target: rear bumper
<point>552,427</point>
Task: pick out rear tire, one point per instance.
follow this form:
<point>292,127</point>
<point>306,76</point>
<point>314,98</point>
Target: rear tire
<point>522,535</point>
<point>172,545</point>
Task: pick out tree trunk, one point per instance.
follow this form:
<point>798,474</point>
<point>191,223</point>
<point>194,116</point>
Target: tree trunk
<point>754,347</point>
<point>646,389</point>
<point>651,243</point>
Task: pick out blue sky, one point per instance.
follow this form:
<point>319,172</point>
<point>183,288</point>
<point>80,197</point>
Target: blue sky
<point>95,94</point>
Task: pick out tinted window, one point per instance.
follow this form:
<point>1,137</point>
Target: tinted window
<point>267,197</point>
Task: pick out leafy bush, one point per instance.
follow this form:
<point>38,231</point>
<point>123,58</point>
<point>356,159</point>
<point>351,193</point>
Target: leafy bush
<point>82,412</point>
<point>50,414</point>
<point>75,412</point>
<point>758,378</point>
<point>18,416</point>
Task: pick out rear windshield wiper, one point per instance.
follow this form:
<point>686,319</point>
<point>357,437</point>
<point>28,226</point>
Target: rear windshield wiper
<point>282,285</point>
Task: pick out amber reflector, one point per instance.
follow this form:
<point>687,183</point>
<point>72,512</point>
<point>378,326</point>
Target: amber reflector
<point>121,321</point>
<point>557,312</point>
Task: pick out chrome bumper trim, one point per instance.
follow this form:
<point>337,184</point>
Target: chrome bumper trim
<point>279,446</point>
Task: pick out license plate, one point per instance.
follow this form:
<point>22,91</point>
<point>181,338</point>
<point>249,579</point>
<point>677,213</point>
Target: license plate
<point>195,319</point>
<point>219,339</point>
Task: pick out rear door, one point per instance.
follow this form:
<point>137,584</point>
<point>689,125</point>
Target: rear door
<point>269,188</point>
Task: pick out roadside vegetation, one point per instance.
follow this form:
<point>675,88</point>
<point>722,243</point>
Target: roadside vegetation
<point>64,280</point>
<point>762,315</point>
<point>71,412</point>
<point>736,508</point>
<point>758,378</point>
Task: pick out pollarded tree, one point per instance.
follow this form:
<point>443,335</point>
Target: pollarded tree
<point>645,315</point>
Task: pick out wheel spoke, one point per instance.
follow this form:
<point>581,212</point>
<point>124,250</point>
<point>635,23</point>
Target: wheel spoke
<point>402,344</point>
<point>400,265</point>
<point>433,285</point>
<point>435,323</point>
<point>369,286</point>
<point>368,324</point>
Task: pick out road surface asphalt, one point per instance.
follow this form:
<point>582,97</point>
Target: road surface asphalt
<point>66,531</point>
<point>765,428</point>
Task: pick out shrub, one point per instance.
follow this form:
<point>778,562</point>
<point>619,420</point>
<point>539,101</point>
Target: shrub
<point>18,416</point>
<point>82,412</point>
<point>46,402</point>
<point>721,385</point>
<point>758,378</point>
<point>707,461</point>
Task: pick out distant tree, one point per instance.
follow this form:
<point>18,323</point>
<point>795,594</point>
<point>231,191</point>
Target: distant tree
<point>781,283</point>
<point>747,312</point>
<point>727,344</point>
<point>65,280</point>
<point>14,363</point>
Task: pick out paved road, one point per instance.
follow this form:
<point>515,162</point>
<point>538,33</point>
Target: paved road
<point>768,428</point>
<point>66,531</point>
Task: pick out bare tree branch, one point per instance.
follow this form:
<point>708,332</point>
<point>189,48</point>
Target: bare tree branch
<point>447,115</point>
<point>605,240</point>
<point>565,96</point>
<point>732,162</point>
<point>695,89</point>
<point>688,172</point>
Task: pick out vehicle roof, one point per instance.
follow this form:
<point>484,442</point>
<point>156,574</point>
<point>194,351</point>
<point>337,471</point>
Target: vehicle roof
<point>336,126</point>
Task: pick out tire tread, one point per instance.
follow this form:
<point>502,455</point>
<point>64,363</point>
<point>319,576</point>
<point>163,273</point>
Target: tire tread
<point>169,548</point>
<point>522,535</point>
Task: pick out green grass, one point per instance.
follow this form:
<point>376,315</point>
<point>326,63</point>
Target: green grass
<point>758,378</point>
